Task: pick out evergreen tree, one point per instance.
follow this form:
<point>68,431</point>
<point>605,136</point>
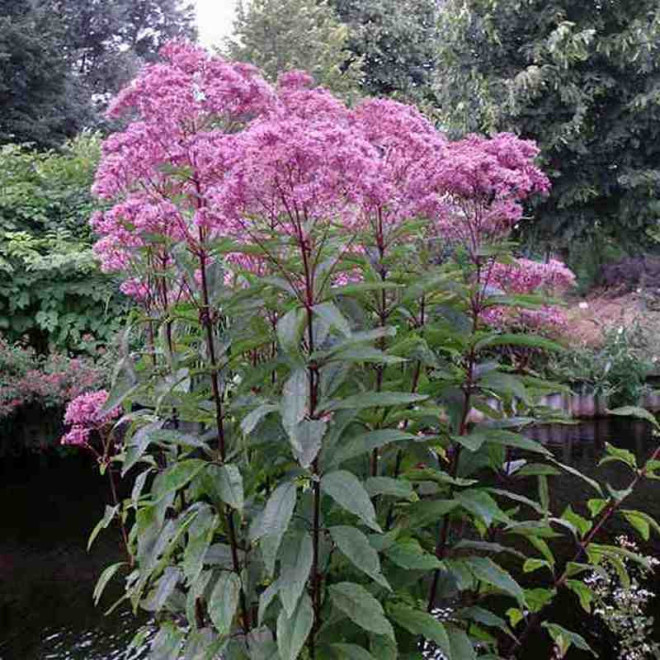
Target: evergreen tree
<point>38,101</point>
<point>279,35</point>
<point>581,78</point>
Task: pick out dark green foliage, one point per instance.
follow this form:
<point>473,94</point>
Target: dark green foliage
<point>106,42</point>
<point>38,98</point>
<point>581,78</point>
<point>279,35</point>
<point>61,60</point>
<point>51,290</point>
<point>396,41</point>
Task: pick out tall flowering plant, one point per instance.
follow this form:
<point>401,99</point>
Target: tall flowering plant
<point>309,480</point>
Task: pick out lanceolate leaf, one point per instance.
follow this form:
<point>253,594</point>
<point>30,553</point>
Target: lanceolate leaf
<point>295,565</point>
<point>486,570</point>
<point>345,488</point>
<point>356,547</point>
<point>294,398</point>
<point>177,476</point>
<point>292,632</point>
<point>224,601</point>
<point>361,608</point>
<point>306,438</point>
<point>374,400</point>
<point>277,514</point>
<point>230,485</point>
<point>106,576</point>
<point>424,624</point>
<point>333,317</point>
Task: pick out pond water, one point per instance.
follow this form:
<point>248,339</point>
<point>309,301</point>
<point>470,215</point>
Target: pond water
<point>49,505</point>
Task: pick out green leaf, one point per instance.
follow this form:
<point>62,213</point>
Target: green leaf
<point>292,632</point>
<point>306,439</point>
<point>535,469</point>
<point>230,485</point>
<point>333,317</point>
<point>576,473</point>
<point>103,580</point>
<point>277,514</point>
<point>388,486</point>
<point>138,444</point>
<point>538,598</point>
<point>266,598</point>
<point>582,525</point>
<point>480,504</point>
<point>367,442</point>
<point>619,455</point>
<point>532,565</point>
<point>366,354</point>
<point>108,517</point>
<point>426,512</point>
<point>642,522</point>
<point>295,565</point>
<point>374,400</point>
<point>564,639</point>
<point>224,602</point>
<point>166,645</point>
<point>355,546</point>
<point>118,394</point>
<point>409,554</point>
<point>289,330</point>
<point>164,588</point>
<point>252,419</point>
<point>582,591</point>
<point>351,652</point>
<point>200,535</point>
<point>509,439</point>
<point>177,476</point>
<point>349,493</point>
<point>486,570</point>
<point>293,407</point>
<point>460,645</point>
<point>530,341</point>
<point>635,411</point>
<point>424,624</point>
<point>596,506</point>
<point>360,607</point>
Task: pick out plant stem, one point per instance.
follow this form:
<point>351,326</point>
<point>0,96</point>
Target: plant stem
<point>468,386</point>
<point>207,322</point>
<point>115,501</point>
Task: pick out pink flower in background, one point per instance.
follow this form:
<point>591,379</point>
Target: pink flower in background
<point>84,415</point>
<point>525,276</point>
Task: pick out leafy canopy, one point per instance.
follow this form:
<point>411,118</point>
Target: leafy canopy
<point>582,79</point>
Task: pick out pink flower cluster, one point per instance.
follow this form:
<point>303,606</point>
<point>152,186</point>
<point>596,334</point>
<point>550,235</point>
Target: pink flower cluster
<point>214,151</point>
<point>83,416</point>
<point>26,379</point>
<point>525,276</point>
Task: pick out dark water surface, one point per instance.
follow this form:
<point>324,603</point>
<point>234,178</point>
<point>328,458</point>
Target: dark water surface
<point>48,507</point>
<point>50,504</point>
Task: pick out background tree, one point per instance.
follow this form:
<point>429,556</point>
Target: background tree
<point>279,35</point>
<point>397,43</point>
<point>581,78</point>
<point>37,96</point>
<point>105,42</point>
<point>61,60</point>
